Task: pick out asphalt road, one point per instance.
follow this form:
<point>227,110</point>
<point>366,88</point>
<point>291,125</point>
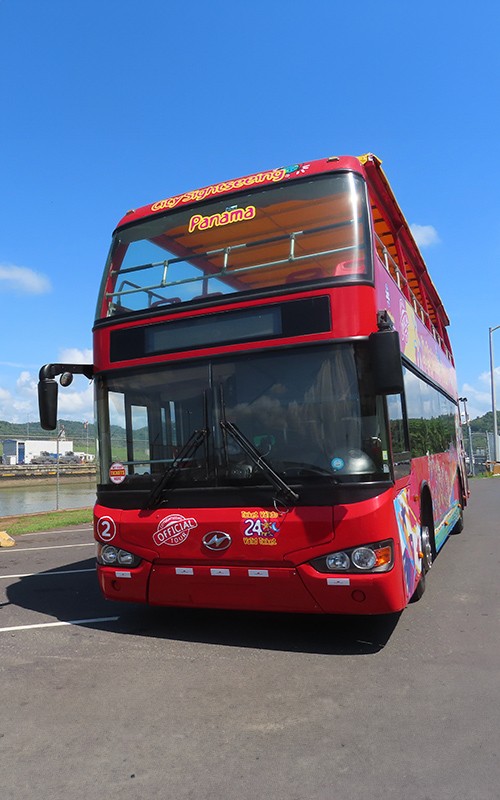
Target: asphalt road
<point>128,702</point>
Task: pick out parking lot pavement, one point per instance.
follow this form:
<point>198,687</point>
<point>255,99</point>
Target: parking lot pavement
<point>49,580</point>
<point>122,701</point>
<point>44,578</point>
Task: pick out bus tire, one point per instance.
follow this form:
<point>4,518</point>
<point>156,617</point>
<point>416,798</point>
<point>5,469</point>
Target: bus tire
<point>459,524</point>
<point>428,548</point>
<point>419,589</point>
<point>427,545</point>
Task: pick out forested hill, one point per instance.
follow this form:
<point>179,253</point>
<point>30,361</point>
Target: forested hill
<point>77,430</point>
<point>484,423</point>
<point>33,430</point>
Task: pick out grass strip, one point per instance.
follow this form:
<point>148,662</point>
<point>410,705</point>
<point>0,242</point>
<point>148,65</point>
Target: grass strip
<point>47,521</point>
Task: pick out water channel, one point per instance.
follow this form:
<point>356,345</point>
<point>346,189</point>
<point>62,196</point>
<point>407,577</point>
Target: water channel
<point>29,497</point>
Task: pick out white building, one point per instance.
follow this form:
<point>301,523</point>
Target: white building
<point>86,458</point>
<point>22,451</point>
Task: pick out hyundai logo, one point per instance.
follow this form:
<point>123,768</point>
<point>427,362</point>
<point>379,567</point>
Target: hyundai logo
<point>217,540</point>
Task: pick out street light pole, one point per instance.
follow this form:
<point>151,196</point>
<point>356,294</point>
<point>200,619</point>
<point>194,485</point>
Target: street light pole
<point>493,397</point>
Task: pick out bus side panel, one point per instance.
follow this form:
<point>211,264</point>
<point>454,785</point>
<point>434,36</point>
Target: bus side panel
<point>407,513</point>
<point>417,342</point>
<point>439,473</point>
<point>358,524</point>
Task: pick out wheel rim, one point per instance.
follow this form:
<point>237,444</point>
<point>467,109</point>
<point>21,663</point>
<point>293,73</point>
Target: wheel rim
<point>426,547</point>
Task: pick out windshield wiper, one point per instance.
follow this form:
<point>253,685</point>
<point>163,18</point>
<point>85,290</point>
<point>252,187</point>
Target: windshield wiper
<point>186,452</point>
<point>285,492</point>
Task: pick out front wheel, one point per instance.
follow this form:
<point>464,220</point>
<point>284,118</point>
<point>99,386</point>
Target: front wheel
<point>419,589</point>
<point>427,548</point>
<point>428,552</point>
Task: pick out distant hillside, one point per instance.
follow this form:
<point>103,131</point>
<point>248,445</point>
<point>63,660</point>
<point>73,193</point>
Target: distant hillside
<point>485,423</point>
<point>78,432</point>
<point>33,430</point>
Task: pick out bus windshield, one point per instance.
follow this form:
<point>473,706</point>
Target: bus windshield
<point>302,231</point>
<point>311,414</point>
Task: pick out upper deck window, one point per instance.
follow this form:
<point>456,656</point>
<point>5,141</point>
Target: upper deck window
<point>295,233</point>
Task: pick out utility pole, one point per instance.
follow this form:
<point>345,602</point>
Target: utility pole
<point>493,398</point>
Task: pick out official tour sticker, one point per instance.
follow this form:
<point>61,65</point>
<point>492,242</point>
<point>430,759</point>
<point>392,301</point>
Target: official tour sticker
<point>174,530</point>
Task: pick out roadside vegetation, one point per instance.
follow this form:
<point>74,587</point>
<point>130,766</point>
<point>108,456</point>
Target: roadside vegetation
<point>47,521</point>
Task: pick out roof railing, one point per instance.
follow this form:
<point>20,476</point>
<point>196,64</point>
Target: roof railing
<point>402,281</point>
<point>225,252</point>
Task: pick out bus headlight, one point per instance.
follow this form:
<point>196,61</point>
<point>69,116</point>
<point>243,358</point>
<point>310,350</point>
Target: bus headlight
<point>338,562</point>
<point>364,558</point>
<point>111,556</point>
<point>374,557</point>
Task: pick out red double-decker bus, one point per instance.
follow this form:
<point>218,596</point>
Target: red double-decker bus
<point>276,399</point>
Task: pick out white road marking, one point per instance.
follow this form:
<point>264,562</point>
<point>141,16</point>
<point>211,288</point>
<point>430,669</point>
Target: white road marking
<point>50,547</point>
<point>43,574</point>
<point>57,530</point>
<point>58,624</point>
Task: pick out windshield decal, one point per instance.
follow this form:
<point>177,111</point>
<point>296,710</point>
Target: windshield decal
<point>117,472</point>
<point>174,530</point>
<point>227,217</point>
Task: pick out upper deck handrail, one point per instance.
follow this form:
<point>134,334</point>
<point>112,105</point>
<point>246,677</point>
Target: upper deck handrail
<point>226,270</point>
<point>292,258</point>
<point>240,246</point>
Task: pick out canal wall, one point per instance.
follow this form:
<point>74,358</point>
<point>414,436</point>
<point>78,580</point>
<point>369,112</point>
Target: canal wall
<point>42,472</point>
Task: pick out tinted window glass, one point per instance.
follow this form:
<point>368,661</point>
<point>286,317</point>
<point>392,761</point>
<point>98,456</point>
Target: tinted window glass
<point>431,417</point>
<point>397,426</point>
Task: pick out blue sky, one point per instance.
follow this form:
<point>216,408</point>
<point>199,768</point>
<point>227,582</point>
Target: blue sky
<point>111,104</point>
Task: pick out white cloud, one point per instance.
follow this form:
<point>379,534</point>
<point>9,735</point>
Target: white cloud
<point>25,399</point>
<point>479,395</point>
<point>15,365</point>
<point>425,235</point>
<point>19,395</point>
<point>76,405</point>
<point>26,382</point>
<point>20,403</point>
<point>22,280</point>
<point>73,355</point>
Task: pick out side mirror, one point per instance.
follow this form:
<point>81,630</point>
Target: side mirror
<point>385,358</point>
<point>47,403</point>
<point>47,389</point>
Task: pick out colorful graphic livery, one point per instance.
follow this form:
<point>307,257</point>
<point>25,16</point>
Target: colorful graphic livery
<point>276,399</point>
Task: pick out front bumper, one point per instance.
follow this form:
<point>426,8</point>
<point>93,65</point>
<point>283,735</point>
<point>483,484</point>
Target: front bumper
<point>300,590</point>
